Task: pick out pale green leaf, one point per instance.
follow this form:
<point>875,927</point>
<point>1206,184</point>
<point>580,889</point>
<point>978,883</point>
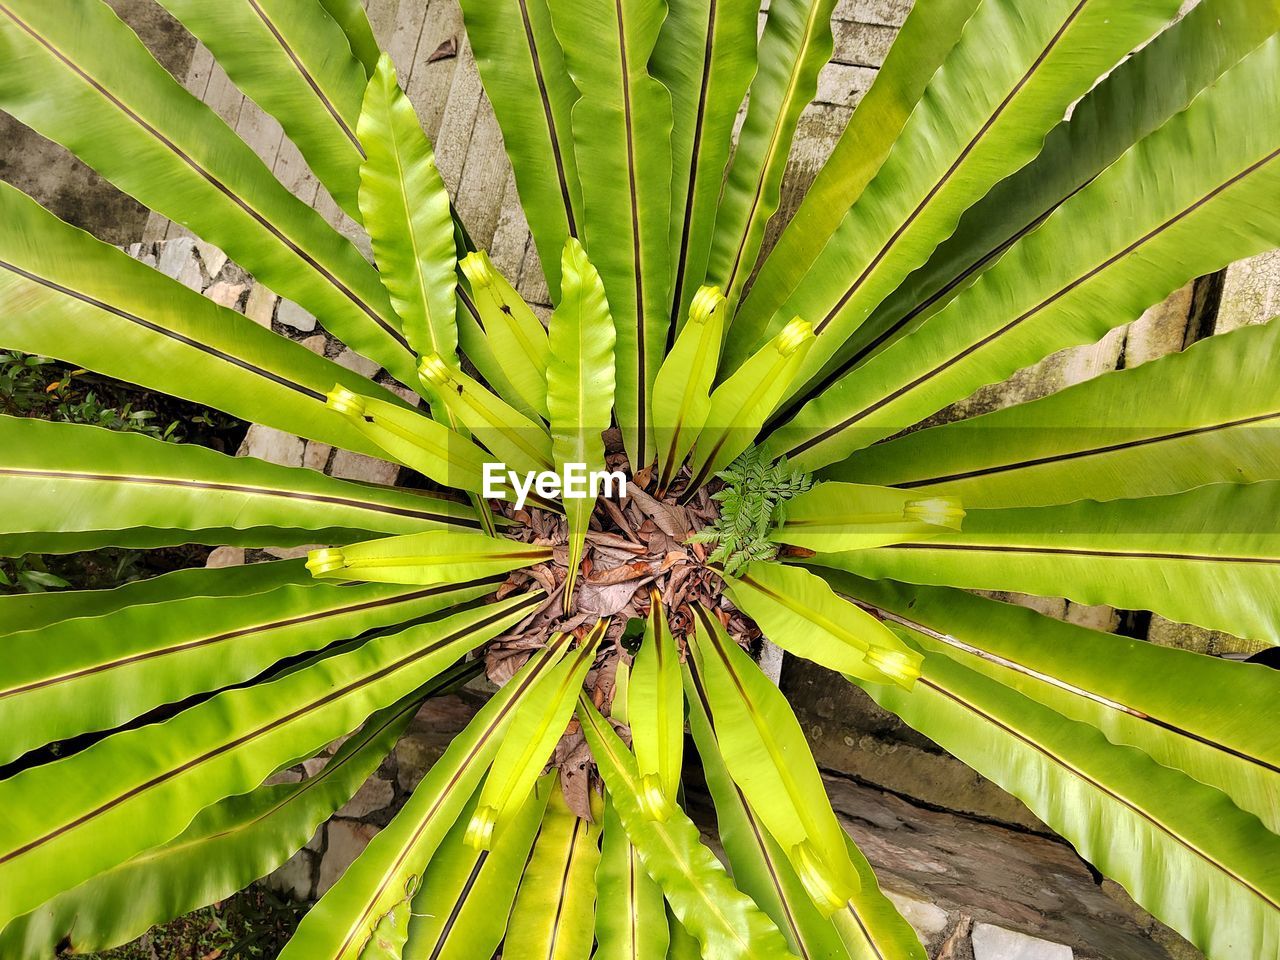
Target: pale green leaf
<point>406,211</point>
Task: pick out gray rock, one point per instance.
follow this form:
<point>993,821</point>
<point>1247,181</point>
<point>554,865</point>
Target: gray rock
<point>174,255</point>
<point>261,307</point>
<point>996,943</point>
<point>292,315</point>
<point>373,795</point>
<point>314,765</point>
<point>353,361</point>
<point>226,294</point>
<point>356,466</point>
<point>296,877</point>
<point>225,557</point>
<point>347,840</point>
<point>316,344</point>
<point>212,258</point>
<point>927,919</point>
<point>276,446</point>
<point>317,455</point>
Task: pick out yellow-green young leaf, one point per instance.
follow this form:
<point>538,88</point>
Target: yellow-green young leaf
<point>622,142</point>
<point>554,914</point>
<point>415,440</point>
<point>150,782</point>
<point>800,613</point>
<point>868,926</point>
<point>512,437</point>
<point>837,517</point>
<point>1209,556</point>
<point>579,387</point>
<point>517,338</point>
<point>655,710</point>
<point>228,845</point>
<point>462,909</point>
<point>726,922</point>
<point>66,487</point>
<point>740,405</point>
<point>682,390</point>
<point>632,921</point>
<point>406,213</point>
<point>794,47</point>
<point>297,65</point>
<point>340,925</point>
<point>355,24</point>
<point>77,74</point>
<point>526,749</point>
<point>1182,849</point>
<point>766,753</point>
<point>425,558</point>
<point>475,346</point>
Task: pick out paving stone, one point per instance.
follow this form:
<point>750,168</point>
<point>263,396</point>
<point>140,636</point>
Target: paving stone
<point>276,446</point>
<point>192,276</point>
<point>316,344</point>
<point>174,255</point>
<point>353,361</point>
<point>226,294</point>
<point>313,765</point>
<point>212,258</point>
<point>292,315</point>
<point>225,557</point>
<point>996,943</point>
<point>356,466</point>
<point>374,794</point>
<point>316,456</point>
<point>347,840</point>
<point>294,879</point>
<point>261,307</point>
<point>291,775</point>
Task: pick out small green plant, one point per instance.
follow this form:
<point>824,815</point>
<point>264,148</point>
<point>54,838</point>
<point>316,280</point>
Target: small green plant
<point>33,386</point>
<point>752,503</point>
<point>960,231</point>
